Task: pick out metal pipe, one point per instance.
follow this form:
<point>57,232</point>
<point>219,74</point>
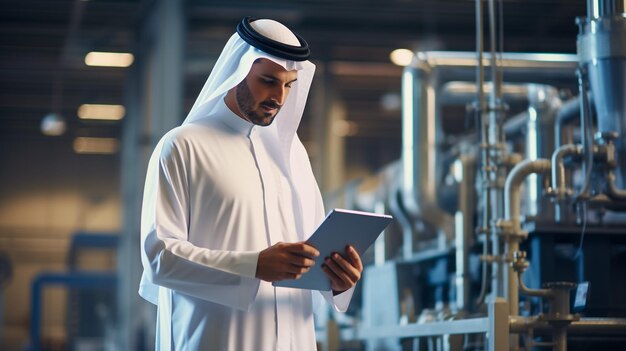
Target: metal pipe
<point>511,214</point>
<point>559,338</point>
<point>480,70</point>
<point>584,326</point>
<point>543,105</point>
<point>559,185</point>
<point>480,111</point>
<point>542,68</point>
<point>512,187</point>
<point>495,92</point>
<point>495,151</point>
<point>490,205</point>
<point>516,125</point>
<point>512,288</point>
<point>614,192</point>
<point>531,292</point>
<point>419,149</point>
<point>461,92</point>
<point>485,271</point>
<point>585,133</point>
<point>464,175</point>
<point>605,8</point>
<point>570,111</point>
<point>421,82</point>
<point>559,315</point>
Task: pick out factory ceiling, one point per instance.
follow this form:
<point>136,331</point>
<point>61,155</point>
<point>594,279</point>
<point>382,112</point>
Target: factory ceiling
<point>43,44</point>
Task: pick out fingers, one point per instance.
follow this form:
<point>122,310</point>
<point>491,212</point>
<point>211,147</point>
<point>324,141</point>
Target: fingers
<point>301,254</point>
<point>300,262</point>
<point>292,260</point>
<point>343,269</point>
<point>335,281</point>
<point>299,259</point>
<point>343,272</point>
<point>296,271</point>
<point>354,258</point>
<point>304,249</point>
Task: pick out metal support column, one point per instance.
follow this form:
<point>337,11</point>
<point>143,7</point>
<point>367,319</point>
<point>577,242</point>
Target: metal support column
<point>329,130</point>
<point>154,106</point>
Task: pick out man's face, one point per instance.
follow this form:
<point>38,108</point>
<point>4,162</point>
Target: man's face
<point>264,91</point>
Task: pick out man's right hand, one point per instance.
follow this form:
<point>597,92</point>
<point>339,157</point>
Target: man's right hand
<point>285,261</point>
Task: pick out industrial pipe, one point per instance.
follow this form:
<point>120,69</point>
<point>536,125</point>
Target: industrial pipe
<point>514,231</point>
<point>559,185</point>
<point>464,169</point>
<point>569,112</point>
<point>531,292</point>
<point>584,326</point>
<point>614,192</point>
<point>421,82</point>
<point>512,188</point>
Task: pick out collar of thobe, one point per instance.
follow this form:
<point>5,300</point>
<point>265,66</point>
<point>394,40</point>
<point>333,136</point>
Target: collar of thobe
<point>236,123</point>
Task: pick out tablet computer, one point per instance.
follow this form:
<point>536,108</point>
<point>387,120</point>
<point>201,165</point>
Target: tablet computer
<point>340,229</point>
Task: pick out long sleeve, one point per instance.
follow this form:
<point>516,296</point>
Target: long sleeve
<point>339,302</point>
<point>169,258</point>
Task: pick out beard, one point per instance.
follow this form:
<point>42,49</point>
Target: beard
<point>248,106</point>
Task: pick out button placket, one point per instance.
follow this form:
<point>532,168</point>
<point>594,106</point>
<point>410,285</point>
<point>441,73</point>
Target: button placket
<point>282,304</point>
<point>269,188</point>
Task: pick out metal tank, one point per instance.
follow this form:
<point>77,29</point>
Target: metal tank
<point>602,52</point>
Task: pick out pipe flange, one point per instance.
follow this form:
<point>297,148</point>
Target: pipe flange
<point>519,263</point>
<point>507,229</point>
<point>561,194</point>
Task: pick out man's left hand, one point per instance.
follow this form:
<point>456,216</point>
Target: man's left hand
<point>343,271</point>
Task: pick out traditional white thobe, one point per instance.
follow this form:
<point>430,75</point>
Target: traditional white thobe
<point>215,197</point>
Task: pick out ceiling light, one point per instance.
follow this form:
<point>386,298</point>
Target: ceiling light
<point>101,112</point>
<point>401,57</point>
<point>391,102</point>
<point>109,59</point>
<point>53,124</point>
<point>86,145</point>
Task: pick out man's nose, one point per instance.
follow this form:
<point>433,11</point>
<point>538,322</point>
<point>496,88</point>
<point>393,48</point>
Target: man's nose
<point>279,95</point>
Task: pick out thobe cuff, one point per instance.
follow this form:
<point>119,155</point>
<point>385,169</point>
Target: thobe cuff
<point>341,301</point>
<point>246,263</point>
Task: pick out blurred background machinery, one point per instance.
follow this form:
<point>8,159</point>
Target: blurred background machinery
<point>504,169</point>
<point>511,234</point>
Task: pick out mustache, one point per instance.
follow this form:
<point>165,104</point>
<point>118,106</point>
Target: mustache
<point>271,104</point>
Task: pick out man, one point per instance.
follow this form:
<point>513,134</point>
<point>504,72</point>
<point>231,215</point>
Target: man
<point>228,202</point>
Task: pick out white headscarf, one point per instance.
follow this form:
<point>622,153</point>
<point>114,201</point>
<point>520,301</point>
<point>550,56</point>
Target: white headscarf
<point>231,68</point>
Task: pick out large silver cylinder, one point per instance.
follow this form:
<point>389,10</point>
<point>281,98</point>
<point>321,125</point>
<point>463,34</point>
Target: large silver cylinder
<point>602,51</point>
<point>419,128</point>
<point>605,8</point>
<point>543,104</point>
